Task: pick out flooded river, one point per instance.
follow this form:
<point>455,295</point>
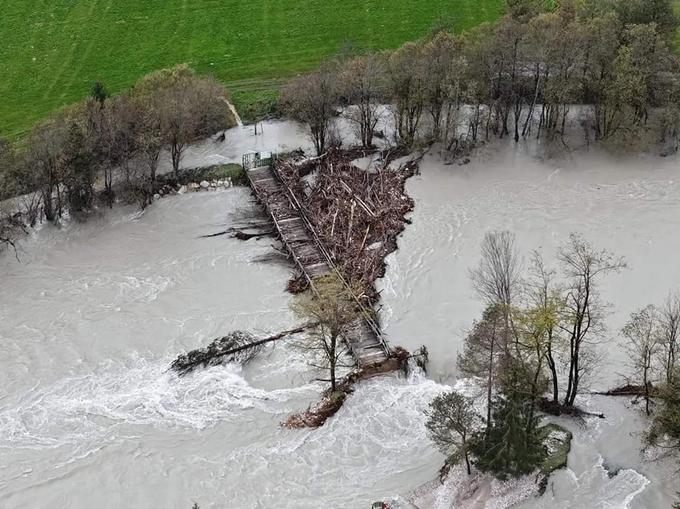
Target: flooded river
<point>92,314</point>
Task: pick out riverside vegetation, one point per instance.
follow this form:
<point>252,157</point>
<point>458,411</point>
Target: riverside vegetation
<point>108,147</point>
<point>538,329</point>
<point>520,78</point>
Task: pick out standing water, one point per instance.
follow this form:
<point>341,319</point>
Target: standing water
<point>93,314</point>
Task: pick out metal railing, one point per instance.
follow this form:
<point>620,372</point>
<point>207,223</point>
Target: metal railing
<point>366,312</point>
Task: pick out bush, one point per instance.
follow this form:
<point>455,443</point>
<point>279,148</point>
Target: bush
<point>232,171</point>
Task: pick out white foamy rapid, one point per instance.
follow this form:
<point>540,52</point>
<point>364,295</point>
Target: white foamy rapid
<point>630,206</point>
<point>93,314</point>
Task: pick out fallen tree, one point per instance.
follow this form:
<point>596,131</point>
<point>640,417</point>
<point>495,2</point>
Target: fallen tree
<point>237,346</point>
<point>317,414</point>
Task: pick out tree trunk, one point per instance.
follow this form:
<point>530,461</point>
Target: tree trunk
<point>490,383</point>
<point>332,360</point>
<point>467,457</point>
<point>646,383</point>
<point>553,373</point>
<point>176,150</point>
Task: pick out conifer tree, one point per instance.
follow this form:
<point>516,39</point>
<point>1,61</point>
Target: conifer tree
<point>512,445</point>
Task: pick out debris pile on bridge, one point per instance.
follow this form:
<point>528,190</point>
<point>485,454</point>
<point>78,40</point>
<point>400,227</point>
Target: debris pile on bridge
<point>357,214</point>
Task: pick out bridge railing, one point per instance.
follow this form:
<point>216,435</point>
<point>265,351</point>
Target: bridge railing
<point>365,311</point>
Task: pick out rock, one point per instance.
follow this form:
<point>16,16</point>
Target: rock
<point>182,189</point>
<point>204,184</point>
<point>213,184</point>
<point>156,196</point>
<point>220,183</point>
<point>194,186</point>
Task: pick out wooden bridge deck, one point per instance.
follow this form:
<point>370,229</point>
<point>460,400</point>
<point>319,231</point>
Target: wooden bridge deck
<point>365,339</point>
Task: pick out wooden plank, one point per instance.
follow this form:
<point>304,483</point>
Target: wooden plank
<point>309,255</point>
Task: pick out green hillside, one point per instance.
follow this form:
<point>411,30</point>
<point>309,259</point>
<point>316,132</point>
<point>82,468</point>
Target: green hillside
<point>52,51</point>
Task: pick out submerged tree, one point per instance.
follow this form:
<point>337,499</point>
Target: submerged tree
<point>496,279</point>
<point>362,86</point>
<point>451,420</point>
<point>188,106</point>
<point>330,310</point>
<point>406,78</point>
<point>643,343</point>
<point>583,317</point>
<point>311,98</point>
<point>541,321</point>
<point>669,336</point>
<point>484,353</point>
<point>77,169</point>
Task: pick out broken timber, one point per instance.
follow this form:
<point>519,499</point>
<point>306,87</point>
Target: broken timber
<point>365,339</point>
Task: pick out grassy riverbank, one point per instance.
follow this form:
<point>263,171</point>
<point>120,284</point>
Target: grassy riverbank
<point>53,51</point>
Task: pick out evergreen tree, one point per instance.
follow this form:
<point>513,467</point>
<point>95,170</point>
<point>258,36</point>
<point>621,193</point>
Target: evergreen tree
<point>512,445</point>
<point>99,92</point>
<point>665,428</point>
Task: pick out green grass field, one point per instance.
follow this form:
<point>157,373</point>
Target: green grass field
<point>52,51</point>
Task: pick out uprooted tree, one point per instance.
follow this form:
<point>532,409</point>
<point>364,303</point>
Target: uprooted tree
<point>237,346</point>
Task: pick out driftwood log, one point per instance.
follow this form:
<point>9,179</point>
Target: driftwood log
<point>357,214</point>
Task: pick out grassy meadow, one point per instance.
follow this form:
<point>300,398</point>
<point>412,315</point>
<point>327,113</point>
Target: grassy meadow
<point>52,51</point>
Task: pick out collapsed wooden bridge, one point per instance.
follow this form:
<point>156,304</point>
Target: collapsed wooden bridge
<point>365,339</point>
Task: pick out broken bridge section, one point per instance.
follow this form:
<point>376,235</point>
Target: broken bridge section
<point>365,339</point>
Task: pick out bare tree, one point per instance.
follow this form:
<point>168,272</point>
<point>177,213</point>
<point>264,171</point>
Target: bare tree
<point>10,224</point>
<point>669,331</point>
<point>583,320</point>
<point>406,82</point>
<point>330,310</point>
<point>497,277</point>
<point>643,343</point>
<point>42,160</point>
<point>149,143</point>
<point>362,83</point>
<point>311,98</point>
<point>542,320</point>
<point>451,419</point>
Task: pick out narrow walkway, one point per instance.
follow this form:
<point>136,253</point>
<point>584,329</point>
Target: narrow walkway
<point>365,340</point>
